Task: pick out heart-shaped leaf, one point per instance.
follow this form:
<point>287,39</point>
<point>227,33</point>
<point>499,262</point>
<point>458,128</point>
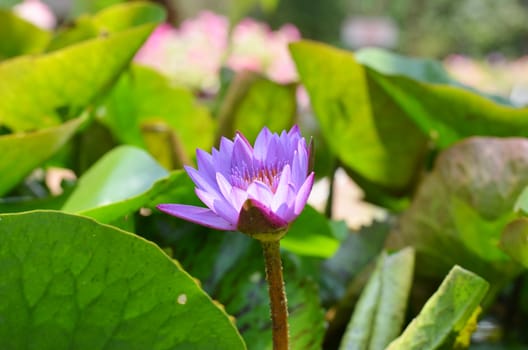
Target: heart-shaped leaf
<point>70,282</point>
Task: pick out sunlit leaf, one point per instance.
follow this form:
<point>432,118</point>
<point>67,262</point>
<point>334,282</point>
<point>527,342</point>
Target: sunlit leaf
<point>144,100</point>
<point>362,125</point>
<point>116,185</point>
<point>311,235</point>
<point>22,152</point>
<point>445,314</point>
<point>40,91</point>
<point>18,37</point>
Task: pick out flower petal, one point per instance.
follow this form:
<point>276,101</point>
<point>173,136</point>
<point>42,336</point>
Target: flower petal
<point>233,195</point>
<point>261,144</point>
<point>281,194</point>
<point>201,216</point>
<point>261,192</point>
<point>303,193</point>
<point>218,205</point>
<point>203,183</point>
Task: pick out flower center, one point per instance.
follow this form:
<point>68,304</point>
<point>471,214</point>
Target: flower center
<point>244,176</point>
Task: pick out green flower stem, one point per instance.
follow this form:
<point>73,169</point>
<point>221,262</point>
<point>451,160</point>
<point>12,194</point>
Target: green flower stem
<point>277,294</point>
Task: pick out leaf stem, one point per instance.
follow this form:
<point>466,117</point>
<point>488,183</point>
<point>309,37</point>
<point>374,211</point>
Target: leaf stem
<point>277,294</point>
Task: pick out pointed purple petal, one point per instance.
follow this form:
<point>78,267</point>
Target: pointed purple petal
<point>281,194</point>
<point>201,216</point>
<point>303,194</point>
<point>233,195</point>
<point>200,181</point>
<point>242,154</point>
<point>218,205</point>
<point>262,143</point>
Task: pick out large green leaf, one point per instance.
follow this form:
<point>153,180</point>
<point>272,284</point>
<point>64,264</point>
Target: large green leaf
<point>378,124</point>
<point>380,311</point>
<point>38,91</point>
<point>119,183</point>
<point>445,314</point>
<point>143,102</point>
<point>460,209</point>
<point>18,37</point>
<point>69,282</point>
<point>253,102</point>
<point>363,126</point>
<point>22,152</point>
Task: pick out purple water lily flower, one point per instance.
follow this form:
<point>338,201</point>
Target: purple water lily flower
<point>256,190</point>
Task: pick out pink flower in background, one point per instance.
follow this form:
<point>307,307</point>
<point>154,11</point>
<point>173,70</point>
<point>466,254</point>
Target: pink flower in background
<point>36,12</point>
<point>191,55</point>
<point>255,47</point>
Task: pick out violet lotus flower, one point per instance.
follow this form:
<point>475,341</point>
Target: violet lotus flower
<point>256,190</point>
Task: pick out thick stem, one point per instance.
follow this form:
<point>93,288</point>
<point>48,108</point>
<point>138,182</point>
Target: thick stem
<point>278,303</point>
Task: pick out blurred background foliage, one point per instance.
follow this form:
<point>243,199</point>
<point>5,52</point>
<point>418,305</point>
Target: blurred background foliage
<point>426,28</point>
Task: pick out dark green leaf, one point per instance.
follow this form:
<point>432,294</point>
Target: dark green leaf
<point>69,282</point>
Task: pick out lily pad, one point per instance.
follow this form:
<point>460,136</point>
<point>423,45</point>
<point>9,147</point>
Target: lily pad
<point>70,282</point>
